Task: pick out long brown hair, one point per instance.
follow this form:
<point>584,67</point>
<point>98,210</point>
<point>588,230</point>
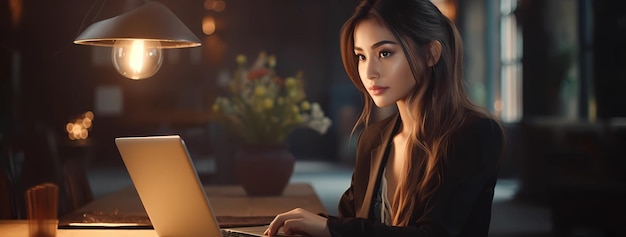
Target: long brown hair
<point>438,102</point>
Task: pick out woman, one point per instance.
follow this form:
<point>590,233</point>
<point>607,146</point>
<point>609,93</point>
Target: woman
<point>430,169</point>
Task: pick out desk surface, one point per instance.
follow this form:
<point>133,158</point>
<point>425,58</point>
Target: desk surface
<point>19,228</point>
<point>225,200</point>
<point>230,205</point>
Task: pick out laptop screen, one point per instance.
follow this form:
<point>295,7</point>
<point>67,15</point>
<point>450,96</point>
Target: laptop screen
<point>167,183</point>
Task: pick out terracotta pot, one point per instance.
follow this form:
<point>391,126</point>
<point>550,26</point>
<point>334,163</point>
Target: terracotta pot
<point>263,170</point>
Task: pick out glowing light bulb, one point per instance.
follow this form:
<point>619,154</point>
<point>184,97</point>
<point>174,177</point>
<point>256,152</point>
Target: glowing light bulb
<point>137,59</point>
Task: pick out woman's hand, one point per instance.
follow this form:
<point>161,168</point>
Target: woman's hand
<point>299,221</point>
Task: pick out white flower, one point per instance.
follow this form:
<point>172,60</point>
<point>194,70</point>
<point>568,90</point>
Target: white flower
<point>316,120</point>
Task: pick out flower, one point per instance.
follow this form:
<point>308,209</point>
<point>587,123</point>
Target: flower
<point>263,108</point>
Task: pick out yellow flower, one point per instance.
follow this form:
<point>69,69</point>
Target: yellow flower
<point>295,109</point>
<point>271,61</point>
<point>268,103</point>
<point>305,105</point>
<point>241,59</point>
<point>290,82</point>
<point>259,91</point>
<point>293,94</point>
<point>298,118</point>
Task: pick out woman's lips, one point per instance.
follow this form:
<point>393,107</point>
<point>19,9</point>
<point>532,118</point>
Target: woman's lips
<point>377,90</point>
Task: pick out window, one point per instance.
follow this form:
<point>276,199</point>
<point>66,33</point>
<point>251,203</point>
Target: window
<point>508,102</point>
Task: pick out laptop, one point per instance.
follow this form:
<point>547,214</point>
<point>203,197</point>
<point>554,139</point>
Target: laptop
<point>169,188</point>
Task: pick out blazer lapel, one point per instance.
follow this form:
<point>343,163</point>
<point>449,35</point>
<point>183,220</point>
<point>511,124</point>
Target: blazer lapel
<point>376,165</point>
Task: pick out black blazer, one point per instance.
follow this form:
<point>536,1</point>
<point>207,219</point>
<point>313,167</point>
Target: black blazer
<point>461,206</point>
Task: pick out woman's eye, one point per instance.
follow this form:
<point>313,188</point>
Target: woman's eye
<point>361,57</point>
<point>385,54</point>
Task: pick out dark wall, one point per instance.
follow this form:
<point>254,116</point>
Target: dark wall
<point>47,80</point>
<point>609,62</point>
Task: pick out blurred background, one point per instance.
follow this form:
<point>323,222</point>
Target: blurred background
<point>553,71</point>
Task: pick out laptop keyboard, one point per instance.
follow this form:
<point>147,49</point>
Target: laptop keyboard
<point>228,233</point>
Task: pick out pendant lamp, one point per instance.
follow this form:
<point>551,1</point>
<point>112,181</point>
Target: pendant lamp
<point>138,37</point>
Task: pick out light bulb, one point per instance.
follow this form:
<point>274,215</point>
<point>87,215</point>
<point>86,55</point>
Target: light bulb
<point>137,59</point>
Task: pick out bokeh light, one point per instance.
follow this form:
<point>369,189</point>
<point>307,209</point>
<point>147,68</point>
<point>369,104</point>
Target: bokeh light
<point>78,128</point>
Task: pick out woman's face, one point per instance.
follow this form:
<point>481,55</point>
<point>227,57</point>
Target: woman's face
<point>383,67</point>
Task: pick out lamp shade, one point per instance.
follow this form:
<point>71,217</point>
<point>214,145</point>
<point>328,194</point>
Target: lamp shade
<point>150,22</point>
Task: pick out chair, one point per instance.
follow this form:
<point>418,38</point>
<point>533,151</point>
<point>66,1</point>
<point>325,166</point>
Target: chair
<point>76,184</point>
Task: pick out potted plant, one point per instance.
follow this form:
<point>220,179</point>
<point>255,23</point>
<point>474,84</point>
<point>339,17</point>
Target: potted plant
<point>262,109</point>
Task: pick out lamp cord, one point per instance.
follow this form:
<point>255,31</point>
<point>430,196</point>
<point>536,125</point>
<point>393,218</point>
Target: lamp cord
<point>82,24</point>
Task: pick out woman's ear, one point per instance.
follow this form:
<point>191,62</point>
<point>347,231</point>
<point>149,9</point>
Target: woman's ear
<point>434,52</point>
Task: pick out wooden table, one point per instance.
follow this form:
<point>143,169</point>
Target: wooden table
<point>226,200</point>
<point>230,205</point>
<point>19,228</point>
